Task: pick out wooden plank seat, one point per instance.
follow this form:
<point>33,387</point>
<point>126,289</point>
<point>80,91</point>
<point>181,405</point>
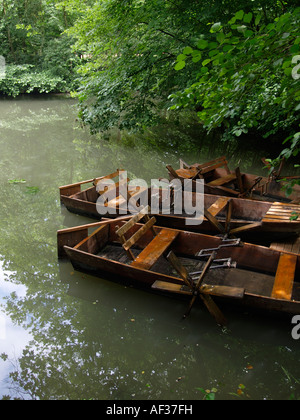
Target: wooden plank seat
<point>223,180</point>
<point>207,167</point>
<point>285,276</point>
<point>187,173</point>
<point>155,249</point>
<point>290,245</point>
<point>281,211</point>
<point>73,189</point>
<point>191,171</point>
<point>150,255</point>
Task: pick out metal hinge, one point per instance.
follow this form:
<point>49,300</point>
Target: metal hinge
<point>217,264</point>
<point>226,244</point>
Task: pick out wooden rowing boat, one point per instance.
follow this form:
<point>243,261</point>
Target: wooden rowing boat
<point>187,264</point>
<point>251,220</point>
<point>220,180</point>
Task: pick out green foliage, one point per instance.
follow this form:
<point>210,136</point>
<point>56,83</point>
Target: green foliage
<point>292,149</point>
<point>26,79</point>
<point>245,79</point>
<point>38,55</point>
<point>131,48</point>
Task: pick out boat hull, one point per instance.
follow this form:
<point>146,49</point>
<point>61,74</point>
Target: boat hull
<point>257,267</point>
<point>268,230</point>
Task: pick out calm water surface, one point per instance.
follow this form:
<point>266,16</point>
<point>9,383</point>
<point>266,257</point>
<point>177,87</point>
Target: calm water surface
<point>67,335</point>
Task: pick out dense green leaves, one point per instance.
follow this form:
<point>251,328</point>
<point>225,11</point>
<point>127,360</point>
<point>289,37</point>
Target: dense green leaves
<point>235,63</point>
<point>38,55</point>
<point>136,50</point>
<point>247,80</point>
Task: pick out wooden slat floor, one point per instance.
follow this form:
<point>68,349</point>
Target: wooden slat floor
<point>291,245</point>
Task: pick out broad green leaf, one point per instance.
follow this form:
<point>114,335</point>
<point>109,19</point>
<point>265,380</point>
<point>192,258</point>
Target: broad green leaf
<point>248,17</point>
<point>181,65</point>
<point>258,19</point>
<point>188,50</point>
<point>17,181</point>
<point>221,37</point>
<point>181,57</point>
<point>213,45</point>
<point>249,33</point>
<point>205,62</point>
<point>295,49</point>
<point>227,48</point>
<point>216,27</point>
<point>197,57</point>
<point>239,15</point>
<point>213,53</point>
<point>202,44</point>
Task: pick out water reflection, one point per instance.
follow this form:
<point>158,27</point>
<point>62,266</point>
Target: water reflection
<point>71,336</point>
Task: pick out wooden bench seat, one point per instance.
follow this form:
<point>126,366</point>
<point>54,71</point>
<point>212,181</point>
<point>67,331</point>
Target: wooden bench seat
<point>157,247</point>
<point>281,212</point>
<point>212,165</point>
<point>223,180</point>
<point>285,276</point>
<point>187,173</point>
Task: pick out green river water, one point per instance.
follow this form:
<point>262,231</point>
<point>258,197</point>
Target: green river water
<point>67,335</point>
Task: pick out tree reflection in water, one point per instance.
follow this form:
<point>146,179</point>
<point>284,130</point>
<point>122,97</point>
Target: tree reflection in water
<point>85,338</point>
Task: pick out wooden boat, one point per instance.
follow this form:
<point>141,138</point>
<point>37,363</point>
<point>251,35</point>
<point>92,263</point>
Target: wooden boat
<point>220,180</point>
<point>186,264</point>
<point>251,220</point>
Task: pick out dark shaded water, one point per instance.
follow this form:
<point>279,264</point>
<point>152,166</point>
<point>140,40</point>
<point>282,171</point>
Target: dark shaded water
<point>67,335</point>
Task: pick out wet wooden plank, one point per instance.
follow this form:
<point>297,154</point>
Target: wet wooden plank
<point>222,181</point>
<point>277,217</point>
<point>218,206</point>
<point>130,242</point>
<point>223,291</point>
<point>239,179</point>
<point>214,221</point>
<point>290,245</point>
<point>187,173</point>
<point>163,286</point>
<point>135,219</point>
<point>220,291</point>
<point>249,226</point>
<point>155,249</point>
<point>285,276</point>
<point>281,211</point>
<point>214,164</point>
